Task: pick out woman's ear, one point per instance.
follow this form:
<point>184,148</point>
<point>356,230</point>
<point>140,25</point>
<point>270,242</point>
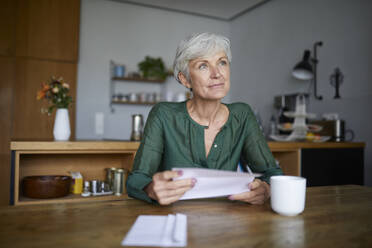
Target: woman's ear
<point>183,80</point>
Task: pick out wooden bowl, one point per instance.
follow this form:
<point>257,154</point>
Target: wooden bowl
<point>43,187</point>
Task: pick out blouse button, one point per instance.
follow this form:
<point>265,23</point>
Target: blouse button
<point>215,145</point>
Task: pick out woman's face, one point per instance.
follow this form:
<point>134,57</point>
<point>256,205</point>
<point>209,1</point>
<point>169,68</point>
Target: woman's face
<point>209,76</point>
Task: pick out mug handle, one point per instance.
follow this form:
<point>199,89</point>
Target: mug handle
<point>351,133</point>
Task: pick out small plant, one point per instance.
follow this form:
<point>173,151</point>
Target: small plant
<point>153,68</point>
<point>55,91</point>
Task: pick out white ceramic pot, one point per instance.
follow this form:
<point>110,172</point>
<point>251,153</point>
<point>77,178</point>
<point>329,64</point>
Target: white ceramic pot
<point>61,130</point>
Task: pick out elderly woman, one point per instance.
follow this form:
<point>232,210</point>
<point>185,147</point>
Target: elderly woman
<point>202,132</point>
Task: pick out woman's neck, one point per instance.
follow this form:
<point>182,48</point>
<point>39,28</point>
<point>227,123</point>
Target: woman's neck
<point>205,113</point>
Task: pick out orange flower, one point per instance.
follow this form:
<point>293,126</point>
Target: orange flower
<point>46,87</point>
<point>40,94</point>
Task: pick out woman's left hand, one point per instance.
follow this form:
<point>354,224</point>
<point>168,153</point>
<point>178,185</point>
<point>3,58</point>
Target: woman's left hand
<point>258,194</point>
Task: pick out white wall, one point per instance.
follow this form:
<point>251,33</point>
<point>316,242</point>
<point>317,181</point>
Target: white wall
<point>126,33</point>
<point>271,39</point>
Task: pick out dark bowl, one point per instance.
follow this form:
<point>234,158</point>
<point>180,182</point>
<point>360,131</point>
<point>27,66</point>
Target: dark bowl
<point>43,187</point>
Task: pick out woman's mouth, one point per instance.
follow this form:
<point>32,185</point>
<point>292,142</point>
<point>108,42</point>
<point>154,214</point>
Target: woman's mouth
<point>216,85</point>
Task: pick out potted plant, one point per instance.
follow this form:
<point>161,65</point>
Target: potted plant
<point>153,68</point>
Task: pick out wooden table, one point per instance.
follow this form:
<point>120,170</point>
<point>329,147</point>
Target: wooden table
<point>335,216</point>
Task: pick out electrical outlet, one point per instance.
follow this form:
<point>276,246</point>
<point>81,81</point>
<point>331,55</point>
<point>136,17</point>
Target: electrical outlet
<point>99,123</point>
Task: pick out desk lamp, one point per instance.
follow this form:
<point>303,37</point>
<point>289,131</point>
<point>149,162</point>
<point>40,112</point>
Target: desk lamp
<point>306,69</point>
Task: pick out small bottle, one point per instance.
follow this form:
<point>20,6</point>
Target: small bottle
<point>86,191</point>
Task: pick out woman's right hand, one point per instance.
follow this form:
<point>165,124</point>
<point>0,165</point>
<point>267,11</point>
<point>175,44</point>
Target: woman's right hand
<point>165,190</point>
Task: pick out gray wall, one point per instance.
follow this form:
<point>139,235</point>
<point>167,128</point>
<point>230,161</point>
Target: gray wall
<point>266,43</point>
<point>271,39</point>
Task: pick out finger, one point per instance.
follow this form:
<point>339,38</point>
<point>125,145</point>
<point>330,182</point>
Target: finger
<point>167,201</point>
<point>243,196</point>
<point>255,184</point>
<point>257,202</point>
<point>189,182</point>
<point>160,186</point>
<point>257,199</point>
<point>167,175</point>
<point>249,195</point>
<point>174,192</point>
<point>173,198</point>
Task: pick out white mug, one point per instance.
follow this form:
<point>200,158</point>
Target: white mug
<point>288,194</point>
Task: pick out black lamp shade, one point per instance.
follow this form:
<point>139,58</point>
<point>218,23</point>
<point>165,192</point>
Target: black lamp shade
<point>304,70</point>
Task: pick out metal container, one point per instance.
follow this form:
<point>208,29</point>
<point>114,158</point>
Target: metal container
<point>86,186</point>
<point>94,186</point>
<point>118,183</point>
<point>339,134</point>
<point>102,188</point>
<point>137,127</point>
<point>119,71</point>
<point>110,176</point>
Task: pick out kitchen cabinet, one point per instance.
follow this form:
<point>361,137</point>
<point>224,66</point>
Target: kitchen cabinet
<point>322,164</point>
<point>59,158</point>
<point>323,167</point>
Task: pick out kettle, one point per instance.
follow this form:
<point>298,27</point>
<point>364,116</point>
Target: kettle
<point>340,132</point>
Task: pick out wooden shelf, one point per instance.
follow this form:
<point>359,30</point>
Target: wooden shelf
<point>70,198</point>
<point>138,79</point>
<point>133,103</point>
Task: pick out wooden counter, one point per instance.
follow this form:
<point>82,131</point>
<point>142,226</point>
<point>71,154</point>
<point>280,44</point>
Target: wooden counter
<point>128,145</point>
<point>277,146</point>
<point>92,157</point>
<point>334,216</point>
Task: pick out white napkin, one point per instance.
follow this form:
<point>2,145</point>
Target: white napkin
<point>153,230</point>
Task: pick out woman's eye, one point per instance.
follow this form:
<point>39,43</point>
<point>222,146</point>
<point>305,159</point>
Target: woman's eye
<point>203,66</point>
<point>223,62</point>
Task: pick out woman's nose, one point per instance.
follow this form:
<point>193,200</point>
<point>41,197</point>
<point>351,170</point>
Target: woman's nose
<point>215,72</point>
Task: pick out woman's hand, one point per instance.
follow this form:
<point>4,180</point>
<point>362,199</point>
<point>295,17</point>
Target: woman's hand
<point>165,190</point>
<point>260,192</point>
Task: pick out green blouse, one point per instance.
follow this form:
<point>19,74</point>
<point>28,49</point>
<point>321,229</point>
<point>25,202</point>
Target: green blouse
<point>173,139</point>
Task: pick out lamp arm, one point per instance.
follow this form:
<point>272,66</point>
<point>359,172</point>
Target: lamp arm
<point>315,62</point>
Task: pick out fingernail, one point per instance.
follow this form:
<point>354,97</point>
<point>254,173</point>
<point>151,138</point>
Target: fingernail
<point>180,173</point>
<point>193,182</point>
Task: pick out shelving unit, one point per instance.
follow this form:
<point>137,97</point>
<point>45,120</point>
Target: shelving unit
<point>90,158</point>
<point>143,80</point>
<point>114,80</point>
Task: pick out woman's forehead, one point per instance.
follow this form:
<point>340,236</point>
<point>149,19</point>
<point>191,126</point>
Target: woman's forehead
<point>214,56</point>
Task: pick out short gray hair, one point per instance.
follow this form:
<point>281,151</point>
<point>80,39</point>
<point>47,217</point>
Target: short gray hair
<point>198,46</point>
